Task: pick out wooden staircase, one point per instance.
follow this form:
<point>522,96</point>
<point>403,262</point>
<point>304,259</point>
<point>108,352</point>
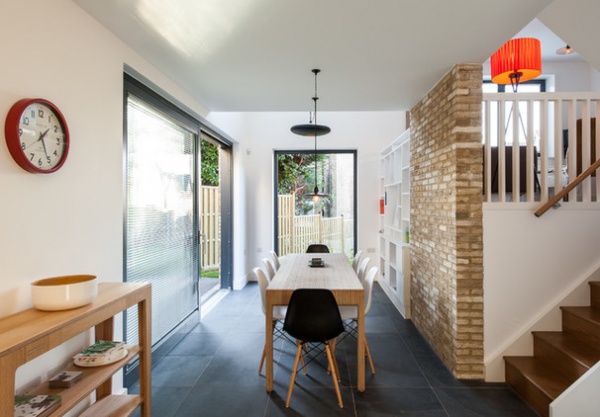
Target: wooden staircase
<point>559,358</point>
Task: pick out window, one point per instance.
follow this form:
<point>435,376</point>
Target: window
<point>531,86</point>
<point>301,220</point>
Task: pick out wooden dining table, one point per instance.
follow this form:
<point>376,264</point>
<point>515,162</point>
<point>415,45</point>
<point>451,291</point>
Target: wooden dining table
<point>336,275</point>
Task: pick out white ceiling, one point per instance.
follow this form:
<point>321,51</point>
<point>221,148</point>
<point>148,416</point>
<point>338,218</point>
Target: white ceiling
<point>257,55</point>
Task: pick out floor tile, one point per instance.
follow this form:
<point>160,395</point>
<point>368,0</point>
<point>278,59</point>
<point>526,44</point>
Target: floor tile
<point>199,344</point>
<point>211,369</point>
<point>311,401</point>
<point>179,371</point>
<point>483,402</point>
<point>164,399</point>
<point>223,401</point>
<point>421,402</point>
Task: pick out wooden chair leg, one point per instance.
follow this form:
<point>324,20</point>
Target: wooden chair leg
<point>293,378</point>
<point>368,350</point>
<point>262,359</point>
<point>333,366</point>
<point>264,352</point>
<point>333,344</point>
<point>302,358</point>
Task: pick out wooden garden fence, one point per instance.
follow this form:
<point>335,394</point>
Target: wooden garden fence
<point>210,219</point>
<point>297,232</point>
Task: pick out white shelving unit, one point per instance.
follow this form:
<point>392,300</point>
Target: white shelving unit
<point>394,222</point>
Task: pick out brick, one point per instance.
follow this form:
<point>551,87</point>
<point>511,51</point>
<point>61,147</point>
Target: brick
<point>446,220</point>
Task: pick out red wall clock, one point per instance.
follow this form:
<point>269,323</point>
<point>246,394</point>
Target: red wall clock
<point>37,135</point>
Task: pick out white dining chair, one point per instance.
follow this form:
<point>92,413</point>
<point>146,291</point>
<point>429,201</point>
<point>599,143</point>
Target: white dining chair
<point>269,268</point>
<point>364,264</point>
<point>278,311</point>
<point>356,261</point>
<point>275,259</point>
<point>350,313</point>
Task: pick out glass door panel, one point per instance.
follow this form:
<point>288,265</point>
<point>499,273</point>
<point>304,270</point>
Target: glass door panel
<point>329,218</point>
<point>160,220</point>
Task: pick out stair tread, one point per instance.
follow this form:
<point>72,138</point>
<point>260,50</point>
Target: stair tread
<point>548,380</point>
<point>572,345</point>
<point>588,313</point>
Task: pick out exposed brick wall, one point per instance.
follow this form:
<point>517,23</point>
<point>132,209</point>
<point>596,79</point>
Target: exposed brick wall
<point>446,220</point>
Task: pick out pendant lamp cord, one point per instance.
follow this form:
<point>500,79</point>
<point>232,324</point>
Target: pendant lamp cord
<point>315,98</point>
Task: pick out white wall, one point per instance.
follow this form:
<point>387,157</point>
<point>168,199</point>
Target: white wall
<point>527,275</point>
<point>69,222</point>
<point>595,80</point>
<point>570,76</point>
<point>259,134</point>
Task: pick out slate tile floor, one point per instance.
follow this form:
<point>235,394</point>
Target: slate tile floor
<point>212,371</point>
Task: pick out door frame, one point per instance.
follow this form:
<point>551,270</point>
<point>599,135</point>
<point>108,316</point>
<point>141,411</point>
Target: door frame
<point>276,154</point>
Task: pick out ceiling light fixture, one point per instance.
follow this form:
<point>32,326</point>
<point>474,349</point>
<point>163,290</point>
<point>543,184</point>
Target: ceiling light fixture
<point>517,61</point>
<point>565,50</point>
<point>313,129</point>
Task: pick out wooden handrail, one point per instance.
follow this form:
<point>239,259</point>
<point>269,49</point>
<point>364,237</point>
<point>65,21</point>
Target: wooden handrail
<point>558,196</point>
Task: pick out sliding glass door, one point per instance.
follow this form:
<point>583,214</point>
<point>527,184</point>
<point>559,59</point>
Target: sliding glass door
<point>161,215</point>
<point>177,216</point>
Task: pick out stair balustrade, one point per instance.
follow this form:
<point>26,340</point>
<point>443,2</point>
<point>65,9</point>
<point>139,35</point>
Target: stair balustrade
<point>556,135</point>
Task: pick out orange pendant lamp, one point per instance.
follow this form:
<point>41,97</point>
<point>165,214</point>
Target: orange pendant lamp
<point>517,61</point>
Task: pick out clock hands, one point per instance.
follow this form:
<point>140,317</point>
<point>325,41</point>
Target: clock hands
<point>41,138</point>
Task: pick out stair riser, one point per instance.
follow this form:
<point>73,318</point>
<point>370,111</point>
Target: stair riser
<point>595,294</point>
<point>587,331</point>
<point>558,359</point>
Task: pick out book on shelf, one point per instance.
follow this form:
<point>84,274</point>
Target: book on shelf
<point>100,353</point>
<point>65,379</point>
<point>36,405</point>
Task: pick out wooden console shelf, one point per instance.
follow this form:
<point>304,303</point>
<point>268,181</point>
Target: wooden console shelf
<point>31,333</point>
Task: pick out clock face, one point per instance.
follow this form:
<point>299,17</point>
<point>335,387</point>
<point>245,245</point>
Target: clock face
<point>37,135</point>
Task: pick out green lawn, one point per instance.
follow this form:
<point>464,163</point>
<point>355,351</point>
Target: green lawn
<point>214,273</point>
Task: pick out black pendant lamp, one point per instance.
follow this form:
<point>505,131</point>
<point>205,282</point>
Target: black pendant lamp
<point>313,129</point>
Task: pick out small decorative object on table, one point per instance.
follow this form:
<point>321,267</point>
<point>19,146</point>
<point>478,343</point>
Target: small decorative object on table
<point>100,353</point>
<point>36,405</point>
<point>316,262</point>
<point>64,292</point>
<point>65,379</point>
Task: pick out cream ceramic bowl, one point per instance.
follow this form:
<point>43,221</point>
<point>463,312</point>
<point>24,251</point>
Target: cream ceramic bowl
<point>64,293</point>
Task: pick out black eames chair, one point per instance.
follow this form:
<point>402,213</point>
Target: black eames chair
<point>313,317</point>
<point>317,248</point>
